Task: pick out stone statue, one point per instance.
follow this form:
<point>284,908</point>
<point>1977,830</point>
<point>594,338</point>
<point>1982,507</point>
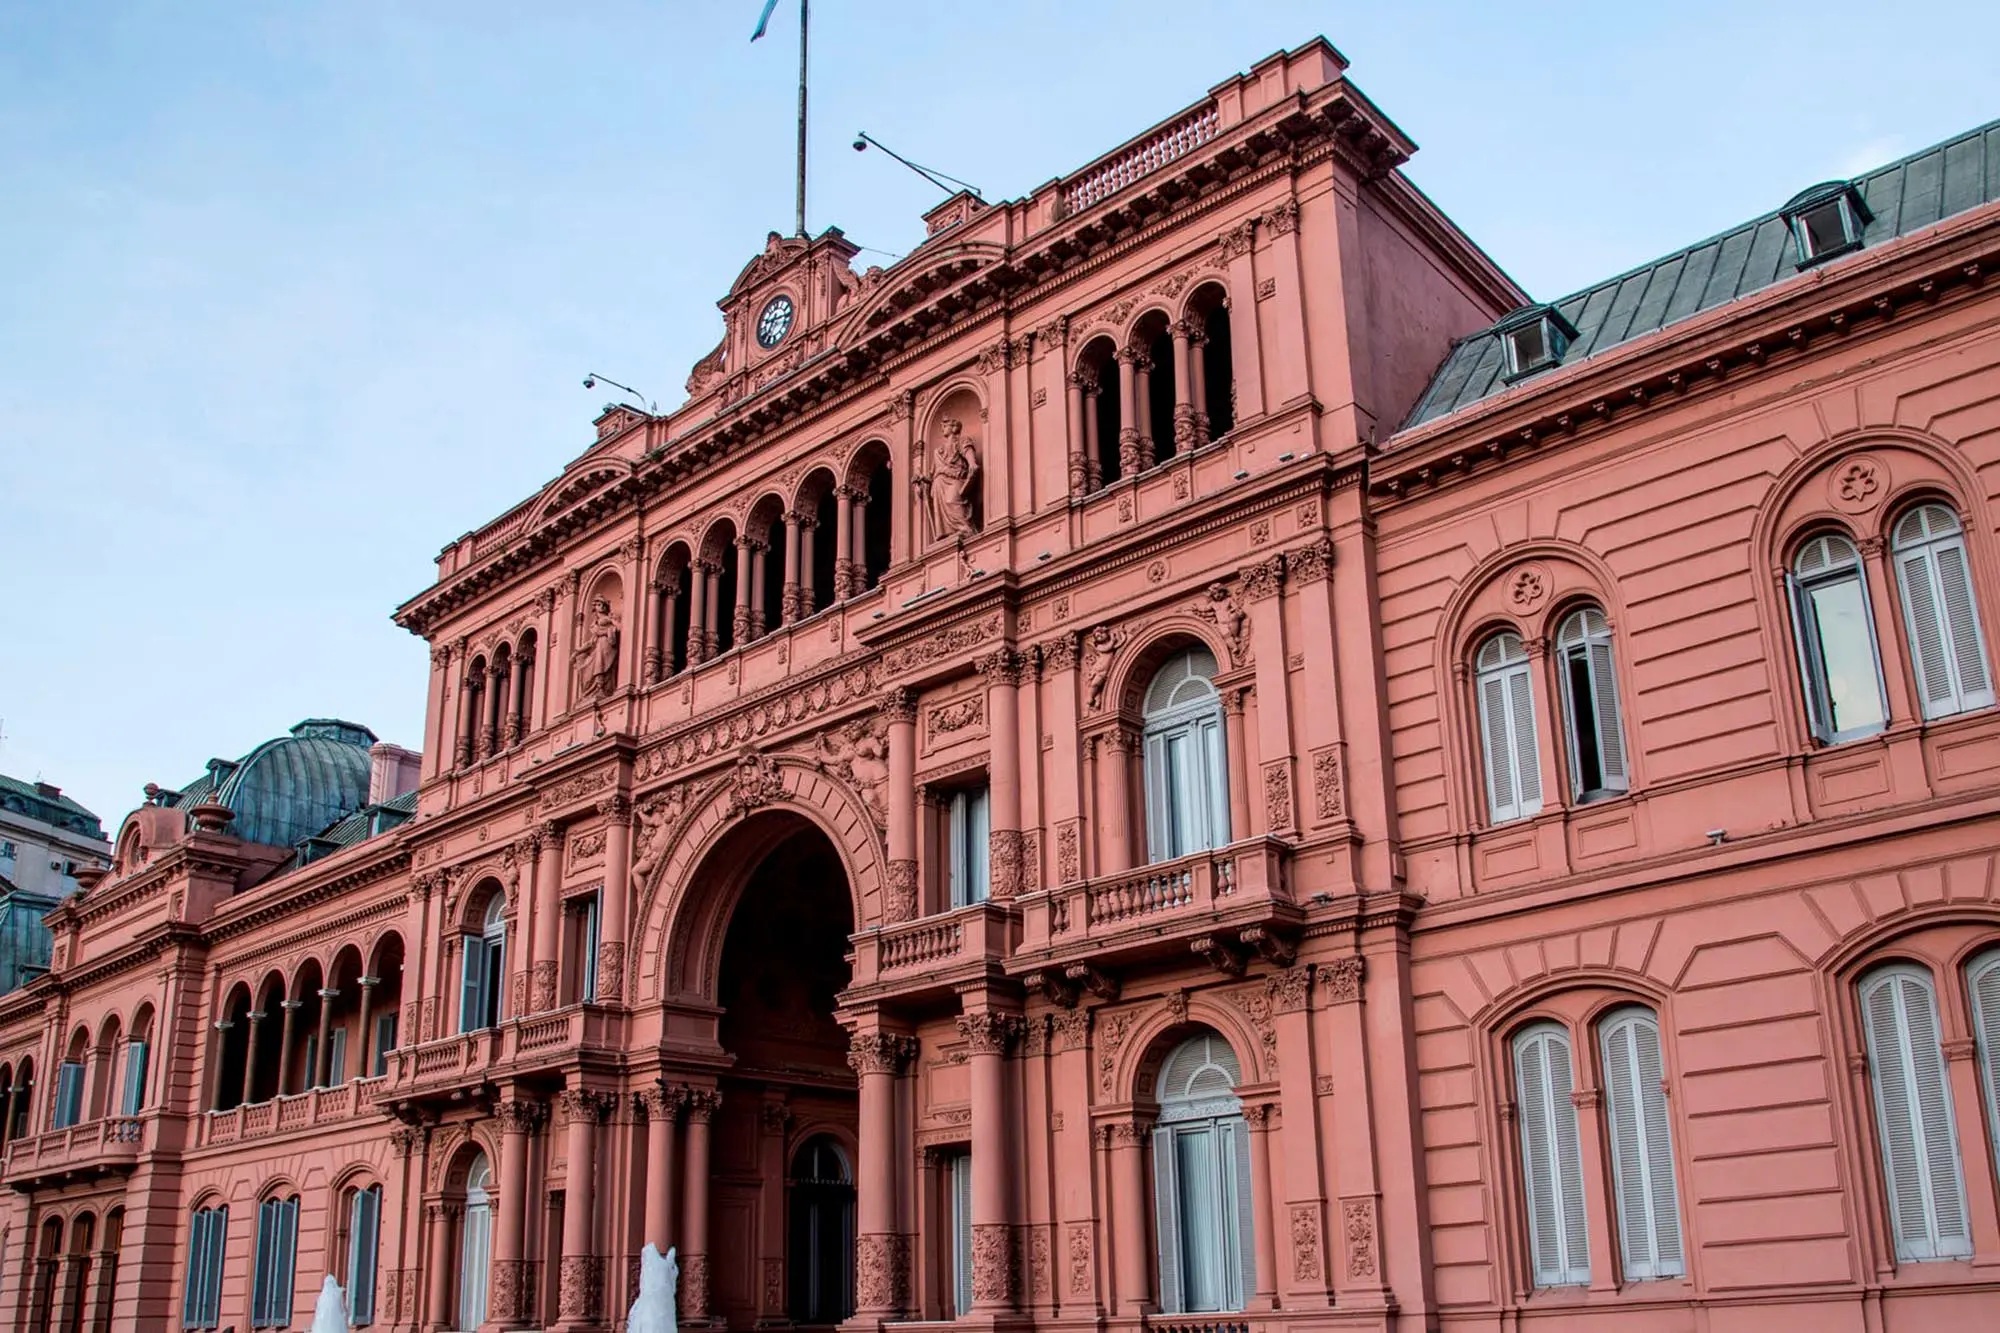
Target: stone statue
<point>1104,642</point>
<point>655,820</point>
<point>659,1283</point>
<point>859,752</point>
<point>595,657</point>
<point>954,482</point>
<point>1233,620</point>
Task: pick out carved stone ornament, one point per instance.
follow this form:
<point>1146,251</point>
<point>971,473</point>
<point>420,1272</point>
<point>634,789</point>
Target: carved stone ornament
<point>1858,485</point>
<point>1069,852</point>
<point>1103,645</point>
<point>1528,587</point>
<point>1305,1243</point>
<point>859,754</point>
<point>995,1280</point>
<point>989,1033</point>
<point>1231,616</point>
<point>756,783</point>
<point>1328,803</point>
<point>1236,241</point>
<point>694,1287</point>
<point>1079,1259</point>
<point>582,1286</point>
<point>594,658</point>
<point>954,481</point>
<point>1278,794</point>
<point>1358,1224</point>
<point>545,984</point>
<point>882,1273</point>
<point>1310,564</point>
<point>1263,579</point>
<point>1340,980</point>
<point>901,904</point>
<point>880,1053</point>
<point>1005,870</point>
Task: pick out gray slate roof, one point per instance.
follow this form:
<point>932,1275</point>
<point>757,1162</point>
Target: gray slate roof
<point>290,787</point>
<point>1905,196</point>
<point>32,799</point>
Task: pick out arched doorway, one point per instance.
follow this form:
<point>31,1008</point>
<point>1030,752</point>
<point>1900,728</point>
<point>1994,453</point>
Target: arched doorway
<point>475,1246</point>
<point>821,1233</point>
<point>777,892</point>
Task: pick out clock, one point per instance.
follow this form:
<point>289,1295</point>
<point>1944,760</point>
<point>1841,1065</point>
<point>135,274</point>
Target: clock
<point>775,322</point>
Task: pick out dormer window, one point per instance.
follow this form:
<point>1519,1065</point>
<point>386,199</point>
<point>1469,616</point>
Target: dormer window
<point>1534,338</point>
<point>1826,220</point>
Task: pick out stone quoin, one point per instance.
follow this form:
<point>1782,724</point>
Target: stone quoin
<point>1182,757</point>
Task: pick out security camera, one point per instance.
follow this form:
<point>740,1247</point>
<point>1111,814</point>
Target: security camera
<point>590,381</point>
<point>860,145</point>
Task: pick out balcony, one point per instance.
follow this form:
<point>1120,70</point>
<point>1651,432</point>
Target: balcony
<point>450,1068</point>
<point>1215,903</point>
<point>81,1152</point>
<point>935,953</point>
<point>282,1115</point>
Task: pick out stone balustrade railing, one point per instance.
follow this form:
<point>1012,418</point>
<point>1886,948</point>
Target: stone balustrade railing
<point>1100,180</point>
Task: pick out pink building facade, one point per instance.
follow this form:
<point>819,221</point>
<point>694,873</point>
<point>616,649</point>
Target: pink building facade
<point>1183,757</point>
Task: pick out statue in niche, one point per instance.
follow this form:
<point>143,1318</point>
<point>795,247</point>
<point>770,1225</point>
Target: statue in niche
<point>595,657</point>
<point>954,483</point>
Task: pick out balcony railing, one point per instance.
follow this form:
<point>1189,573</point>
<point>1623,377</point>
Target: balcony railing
<point>1242,884</point>
<point>283,1115</point>
<point>935,950</point>
<point>516,1045</point>
<point>95,1146</point>
<point>1101,180</point>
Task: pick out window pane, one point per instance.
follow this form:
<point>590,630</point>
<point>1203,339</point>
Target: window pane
<point>1846,653</point>
<point>1584,750</point>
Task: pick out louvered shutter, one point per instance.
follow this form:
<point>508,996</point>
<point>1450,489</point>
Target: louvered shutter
<point>961,1233</point>
<point>1927,633</point>
<point>1158,835</point>
<point>135,1078</point>
<point>262,1277</point>
<point>1215,781</point>
<point>1641,1149</point>
<point>1913,1112</point>
<point>197,1269</point>
<point>1552,1166</point>
<point>1167,1219</point>
<point>69,1094</point>
<point>1242,1195</point>
<point>472,986</point>
<point>1501,800</point>
<point>1521,725</point>
<point>364,1229</point>
<point>287,1261</point>
<point>1984,982</point>
<point>1610,718</point>
<point>1961,624</point>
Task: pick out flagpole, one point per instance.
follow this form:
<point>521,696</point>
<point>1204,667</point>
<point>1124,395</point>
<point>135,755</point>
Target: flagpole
<point>802,117</point>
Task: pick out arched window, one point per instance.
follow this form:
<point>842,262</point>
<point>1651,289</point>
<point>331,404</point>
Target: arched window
<point>1982,982</point>
<point>23,1100</point>
<point>1187,784</point>
<point>1096,397</point>
<point>132,1095</point>
<point>1507,729</point>
<point>1594,724</point>
<point>475,1246</point>
<point>822,1234</point>
<point>1942,616</point>
<point>68,1109</point>
<point>364,1233</point>
<point>483,977</point>
<point>277,1262</point>
<point>1551,1157</point>
<point>1836,640</point>
<point>1919,1142</point>
<point>6,1103</point>
<point>1212,364</point>
<point>1642,1150</point>
<point>1201,1176</point>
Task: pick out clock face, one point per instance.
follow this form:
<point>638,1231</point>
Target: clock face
<point>775,322</point>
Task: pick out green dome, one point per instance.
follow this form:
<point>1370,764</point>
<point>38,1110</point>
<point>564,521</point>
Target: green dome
<point>290,788</point>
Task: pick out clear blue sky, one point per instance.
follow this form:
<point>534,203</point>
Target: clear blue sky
<point>291,295</point>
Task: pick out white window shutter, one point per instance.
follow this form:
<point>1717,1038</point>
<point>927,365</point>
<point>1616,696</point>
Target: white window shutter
<point>1159,827</point>
<point>961,1233</point>
<point>261,1275</point>
<point>1610,719</point>
<point>977,836</point>
<point>472,986</point>
<point>1642,1149</point>
<point>1167,1220</point>
<point>364,1230</point>
<point>1961,623</point>
<point>197,1270</point>
<point>956,836</point>
<point>1552,1166</point>
<point>288,1244</point>
<point>1984,982</point>
<point>1215,778</point>
<point>1521,725</point>
<point>135,1078</point>
<point>1927,633</point>
<point>1501,800</point>
<point>1243,1255</point>
<point>1913,1114</point>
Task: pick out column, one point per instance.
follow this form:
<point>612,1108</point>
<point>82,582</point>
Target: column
<point>582,1266</point>
<point>858,534</point>
<point>1198,377</point>
<point>697,613</point>
<point>1114,800</point>
<point>291,1008</point>
<point>661,663</point>
<point>444,1219</point>
<point>762,617</point>
<point>843,542</point>
<point>1142,401</point>
<point>322,1054</point>
<point>1184,436</point>
<point>701,1104</point>
<point>711,611</point>
<point>1258,1119</point>
<point>510,1226</point>
<point>900,708</point>
<point>489,731</point>
<point>745,583</point>
<point>1079,435</point>
<point>1002,670</point>
<point>365,1066</point>
<point>1358,1277</point>
<point>250,1055</point>
<point>1093,443</point>
<point>468,723</point>
<point>548,848</point>
<point>520,708</point>
<point>656,623</point>
<point>987,1036</point>
<point>789,609</point>
<point>808,593</point>
<point>882,1253</point>
<point>617,812</point>
<point>209,1103</point>
<point>1131,1230</point>
<point>663,1106</point>
<point>1239,764</point>
<point>1128,411</point>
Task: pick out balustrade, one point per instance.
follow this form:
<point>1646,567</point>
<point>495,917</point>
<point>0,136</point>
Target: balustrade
<point>1160,907</point>
<point>1101,180</point>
